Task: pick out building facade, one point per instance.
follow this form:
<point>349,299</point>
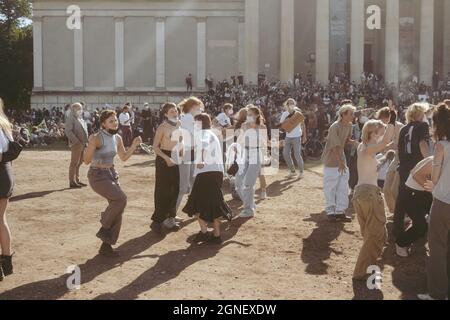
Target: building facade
<point>142,50</point>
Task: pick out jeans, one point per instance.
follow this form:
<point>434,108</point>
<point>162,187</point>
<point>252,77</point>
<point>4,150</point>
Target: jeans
<point>105,182</point>
<point>245,183</point>
<point>335,187</point>
<point>296,145</point>
<point>186,170</point>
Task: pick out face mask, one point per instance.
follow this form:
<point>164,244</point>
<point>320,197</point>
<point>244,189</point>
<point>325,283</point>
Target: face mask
<point>112,131</point>
<point>251,119</point>
<point>196,112</point>
<point>173,120</point>
<point>363,120</point>
<point>198,125</point>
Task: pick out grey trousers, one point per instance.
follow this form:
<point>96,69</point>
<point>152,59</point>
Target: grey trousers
<point>245,183</point>
<point>186,169</point>
<point>76,159</point>
<point>296,145</point>
<point>438,241</point>
<point>105,182</point>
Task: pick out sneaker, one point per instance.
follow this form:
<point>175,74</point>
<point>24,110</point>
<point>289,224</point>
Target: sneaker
<point>330,211</point>
<point>107,251</point>
<point>81,184</point>
<point>340,215</point>
<point>74,185</point>
<point>215,240</point>
<point>168,223</point>
<point>291,175</point>
<point>300,175</point>
<point>247,213</point>
<point>171,224</point>
<point>425,297</point>
<point>263,195</point>
<point>202,237</point>
<point>401,252</point>
<point>178,219</point>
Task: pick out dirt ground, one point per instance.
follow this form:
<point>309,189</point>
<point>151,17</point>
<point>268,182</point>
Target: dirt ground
<point>288,251</point>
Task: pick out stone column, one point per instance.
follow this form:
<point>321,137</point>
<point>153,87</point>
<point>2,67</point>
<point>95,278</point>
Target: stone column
<point>287,41</point>
<point>446,38</point>
<point>201,52</point>
<point>78,68</point>
<point>160,53</point>
<point>252,40</point>
<point>37,53</point>
<point>323,41</point>
<point>392,47</point>
<point>241,37</point>
<point>357,40</point>
<point>120,53</point>
<point>426,60</point>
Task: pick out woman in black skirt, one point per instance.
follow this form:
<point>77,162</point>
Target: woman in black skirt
<point>206,200</point>
<point>6,189</point>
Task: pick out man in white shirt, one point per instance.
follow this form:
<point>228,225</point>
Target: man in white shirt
<point>223,119</point>
<point>125,126</point>
<point>293,141</point>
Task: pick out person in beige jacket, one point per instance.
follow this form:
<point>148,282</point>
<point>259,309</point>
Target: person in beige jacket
<point>77,134</point>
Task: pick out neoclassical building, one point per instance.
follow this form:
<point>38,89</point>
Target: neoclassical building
<point>142,50</point>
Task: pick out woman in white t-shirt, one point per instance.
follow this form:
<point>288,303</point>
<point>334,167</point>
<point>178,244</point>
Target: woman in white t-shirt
<point>206,201</point>
<point>190,107</point>
<point>6,189</point>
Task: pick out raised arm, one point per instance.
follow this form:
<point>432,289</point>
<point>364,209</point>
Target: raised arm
<point>384,143</point>
<point>124,155</point>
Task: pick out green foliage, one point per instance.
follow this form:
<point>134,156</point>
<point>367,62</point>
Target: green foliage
<point>16,53</point>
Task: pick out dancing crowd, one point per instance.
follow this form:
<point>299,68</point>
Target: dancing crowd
<point>398,155</point>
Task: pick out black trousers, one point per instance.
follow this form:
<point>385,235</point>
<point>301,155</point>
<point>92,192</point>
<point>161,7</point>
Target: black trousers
<point>167,185</point>
<point>416,204</point>
<point>399,212</point>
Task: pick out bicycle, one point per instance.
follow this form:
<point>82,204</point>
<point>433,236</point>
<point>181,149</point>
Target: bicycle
<point>313,148</point>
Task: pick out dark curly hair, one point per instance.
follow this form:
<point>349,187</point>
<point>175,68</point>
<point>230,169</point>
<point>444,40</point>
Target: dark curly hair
<point>441,122</point>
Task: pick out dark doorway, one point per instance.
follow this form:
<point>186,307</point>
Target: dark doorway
<point>368,62</point>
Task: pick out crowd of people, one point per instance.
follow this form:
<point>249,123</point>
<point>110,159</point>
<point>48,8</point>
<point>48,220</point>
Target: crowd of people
<point>398,155</point>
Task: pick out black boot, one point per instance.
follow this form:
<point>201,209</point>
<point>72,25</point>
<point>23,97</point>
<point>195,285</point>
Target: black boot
<point>7,265</point>
<point>2,276</point>
<point>107,251</point>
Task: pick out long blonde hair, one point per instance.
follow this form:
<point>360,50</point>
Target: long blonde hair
<point>5,125</point>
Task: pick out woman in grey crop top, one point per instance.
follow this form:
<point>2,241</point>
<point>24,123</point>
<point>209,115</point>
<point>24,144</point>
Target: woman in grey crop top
<point>104,180</point>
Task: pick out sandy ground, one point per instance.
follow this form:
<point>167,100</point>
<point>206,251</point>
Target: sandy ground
<point>288,251</point>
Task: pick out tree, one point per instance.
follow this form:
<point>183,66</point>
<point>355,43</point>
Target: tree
<point>16,53</point>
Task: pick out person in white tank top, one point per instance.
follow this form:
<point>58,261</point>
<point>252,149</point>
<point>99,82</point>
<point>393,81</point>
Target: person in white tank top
<point>439,226</point>
<point>415,201</point>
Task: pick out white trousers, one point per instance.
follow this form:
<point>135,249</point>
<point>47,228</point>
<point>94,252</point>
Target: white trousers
<point>336,189</point>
